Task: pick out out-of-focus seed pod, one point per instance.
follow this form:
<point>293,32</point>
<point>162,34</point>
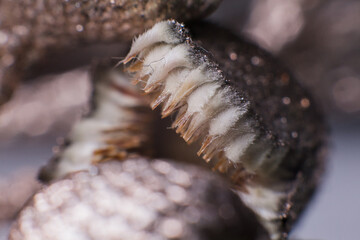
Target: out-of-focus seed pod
<point>138,199</point>
<point>118,124</point>
<point>30,29</point>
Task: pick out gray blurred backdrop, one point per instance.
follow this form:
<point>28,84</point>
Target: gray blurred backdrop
<point>319,40</point>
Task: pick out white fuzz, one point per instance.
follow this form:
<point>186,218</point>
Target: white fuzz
<point>205,109</point>
<point>236,148</point>
<point>122,81</point>
<point>226,120</point>
<point>153,59</point>
<point>76,157</point>
<point>110,113</point>
<point>171,84</point>
<point>194,79</point>
<point>211,109</point>
<point>110,95</point>
<point>176,57</point>
<point>200,97</point>
<point>160,32</point>
<point>265,203</point>
<point>109,121</point>
<point>174,80</point>
<point>217,103</point>
<point>81,152</point>
<point>214,106</point>
<point>89,129</point>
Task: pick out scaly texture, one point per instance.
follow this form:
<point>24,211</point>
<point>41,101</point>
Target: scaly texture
<point>138,199</point>
<point>257,124</point>
<point>29,29</point>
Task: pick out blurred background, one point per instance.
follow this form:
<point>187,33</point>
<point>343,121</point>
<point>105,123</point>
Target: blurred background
<point>319,40</point>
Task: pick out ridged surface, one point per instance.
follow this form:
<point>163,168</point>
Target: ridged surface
<point>138,199</point>
<point>256,123</point>
<point>286,114</point>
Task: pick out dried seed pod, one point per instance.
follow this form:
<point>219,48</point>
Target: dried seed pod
<point>138,199</point>
<point>118,125</point>
<point>257,124</point>
<point>30,29</point>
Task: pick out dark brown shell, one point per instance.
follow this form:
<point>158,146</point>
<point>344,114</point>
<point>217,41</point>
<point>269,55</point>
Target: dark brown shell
<point>285,112</point>
<point>29,29</point>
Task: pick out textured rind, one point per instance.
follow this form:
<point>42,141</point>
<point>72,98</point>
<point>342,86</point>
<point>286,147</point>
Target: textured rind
<point>282,160</point>
<point>298,125</point>
<point>30,29</point>
<point>265,84</point>
<point>138,199</point>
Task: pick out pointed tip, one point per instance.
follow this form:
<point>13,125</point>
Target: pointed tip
<point>192,139</point>
<point>168,110</point>
<point>188,133</point>
<point>127,59</point>
<point>183,124</point>
<point>198,153</point>
<point>149,88</point>
<point>181,128</point>
<point>179,119</point>
<point>173,103</point>
<point>222,165</point>
<point>158,100</point>
<point>208,140</point>
<point>191,136</point>
<point>153,105</point>
<point>207,156</point>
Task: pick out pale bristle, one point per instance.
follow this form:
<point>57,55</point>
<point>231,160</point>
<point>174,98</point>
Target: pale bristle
<point>160,32</point>
<point>181,117</point>
<point>113,128</point>
<point>222,165</point>
<point>216,144</point>
<point>201,119</point>
<point>175,58</point>
<point>226,120</point>
<point>236,134</point>
<point>183,80</point>
<point>191,82</point>
<point>197,101</point>
<point>208,140</point>
<point>213,145</point>
<point>236,148</point>
<point>172,83</point>
<point>159,99</point>
<point>154,59</point>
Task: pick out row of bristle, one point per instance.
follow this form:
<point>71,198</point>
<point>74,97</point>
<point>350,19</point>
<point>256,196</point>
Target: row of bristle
<point>181,78</point>
<point>112,130</point>
<point>196,92</point>
<point>128,127</point>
